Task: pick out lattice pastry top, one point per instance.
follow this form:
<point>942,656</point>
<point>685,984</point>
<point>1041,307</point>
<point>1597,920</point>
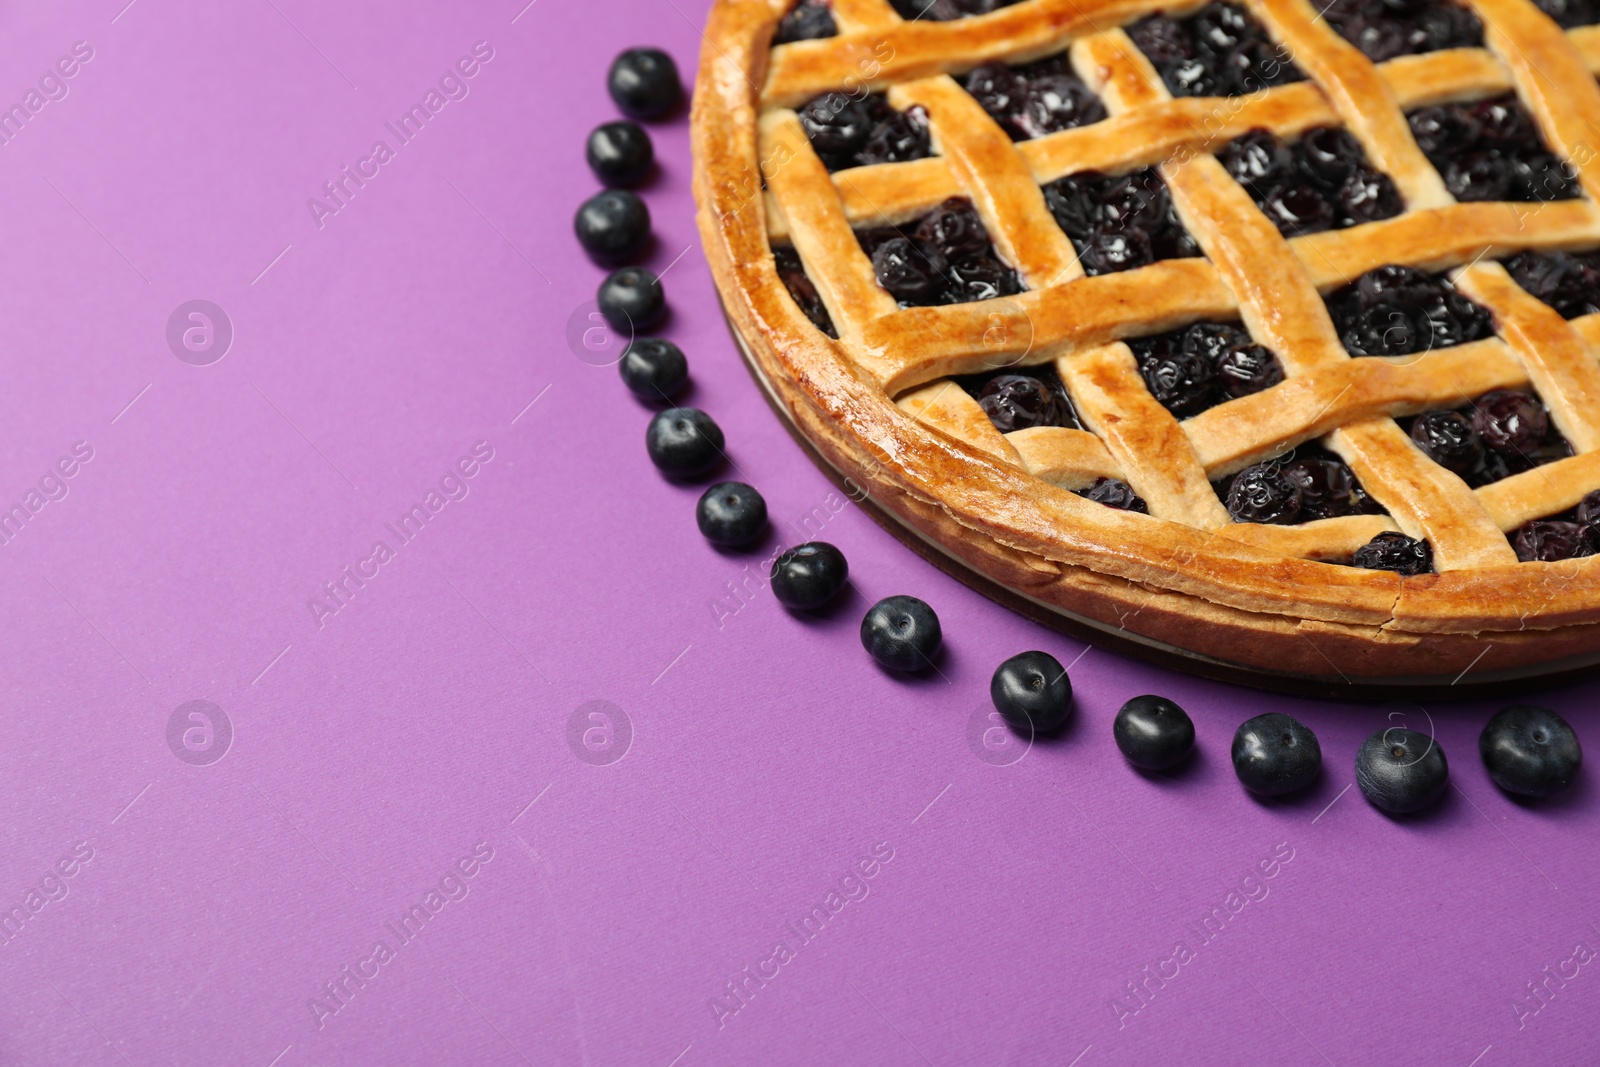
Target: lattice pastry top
<point>1252,317</point>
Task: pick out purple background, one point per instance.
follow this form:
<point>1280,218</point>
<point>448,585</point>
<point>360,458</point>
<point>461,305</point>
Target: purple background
<point>430,714</point>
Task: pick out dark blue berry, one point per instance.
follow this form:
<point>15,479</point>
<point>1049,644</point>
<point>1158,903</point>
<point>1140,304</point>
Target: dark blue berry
<point>620,153</point>
<point>901,633</point>
<point>1401,771</point>
<point>1549,541</point>
<point>1153,733</point>
<point>1115,493</point>
<point>838,127</point>
<point>1265,493</point>
<point>809,20</point>
<point>631,299</point>
<point>1447,438</point>
<point>1327,487</point>
<point>1182,382</point>
<point>1274,754</point>
<point>1392,551</point>
<point>1018,401</point>
<point>1510,421</point>
<point>684,443</point>
<point>1248,368</point>
<point>732,515</point>
<point>612,225</point>
<point>798,282</point>
<point>1530,751</point>
<point>806,577</point>
<point>1032,692</point>
<point>653,368</point>
<point>644,83</point>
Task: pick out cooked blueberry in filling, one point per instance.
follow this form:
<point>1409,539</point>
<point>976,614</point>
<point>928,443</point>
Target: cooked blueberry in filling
<point>801,288</point>
<point>806,21</point>
<point>1306,484</point>
<point>943,258</point>
<point>1491,150</point>
<point>1569,535</point>
<point>1017,400</point>
<point>1114,493</point>
<point>1567,281</point>
<point>946,10</point>
<point>1398,311</point>
<point>1320,182</point>
<point>1204,364</point>
<point>847,131</point>
<point>1499,434</point>
<point>1383,29</point>
<point>1118,223</point>
<point>1036,99</point>
<point>1570,13</point>
<point>1391,551</point>
<point>1218,51</point>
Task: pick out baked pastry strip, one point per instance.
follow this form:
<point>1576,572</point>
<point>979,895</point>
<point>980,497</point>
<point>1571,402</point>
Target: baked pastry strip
<point>1548,489</point>
<point>1559,362</point>
<point>1333,540</point>
<point>1427,501</point>
<point>950,409</point>
<point>1142,436</point>
<point>1357,91</point>
<point>1240,432</point>
<point>859,16</point>
<point>1062,456</point>
<point>994,175</point>
<point>1551,78</point>
<point>827,246</point>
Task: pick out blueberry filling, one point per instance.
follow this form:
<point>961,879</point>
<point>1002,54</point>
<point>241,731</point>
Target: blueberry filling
<point>800,287</point>
<point>1569,535</point>
<point>946,10</point>
<point>1321,182</point>
<point>1570,13</point>
<point>945,257</point>
<point>1306,484</point>
<point>1204,364</point>
<point>1569,282</point>
<point>849,131</point>
<point>1384,29</point>
<point>1218,51</point>
<point>1498,434</point>
<point>1398,311</point>
<point>1018,400</point>
<point>1036,99</point>
<point>1391,551</point>
<point>807,20</point>
<point>1118,223</point>
<point>1114,493</point>
<point>1491,150</point>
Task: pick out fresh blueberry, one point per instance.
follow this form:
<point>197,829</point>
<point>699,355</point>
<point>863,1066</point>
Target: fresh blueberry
<point>631,299</point>
<point>1530,751</point>
<point>902,633</point>
<point>1401,771</point>
<point>1274,754</point>
<point>620,153</point>
<point>1032,692</point>
<point>807,576</point>
<point>684,443</point>
<point>612,225</point>
<point>1391,551</point>
<point>644,83</point>
<point>653,368</point>
<point>731,514</point>
<point>1153,733</point>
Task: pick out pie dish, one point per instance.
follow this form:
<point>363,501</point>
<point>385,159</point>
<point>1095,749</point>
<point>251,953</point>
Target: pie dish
<point>1253,337</point>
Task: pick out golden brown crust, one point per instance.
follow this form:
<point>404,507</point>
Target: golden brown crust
<point>1182,577</point>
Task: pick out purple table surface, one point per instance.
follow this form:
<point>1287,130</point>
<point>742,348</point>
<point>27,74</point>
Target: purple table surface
<point>394,834</point>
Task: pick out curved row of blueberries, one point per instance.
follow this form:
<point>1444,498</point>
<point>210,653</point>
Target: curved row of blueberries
<point>1528,751</point>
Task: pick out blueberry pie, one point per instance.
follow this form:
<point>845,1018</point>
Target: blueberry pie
<point>1262,337</point>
